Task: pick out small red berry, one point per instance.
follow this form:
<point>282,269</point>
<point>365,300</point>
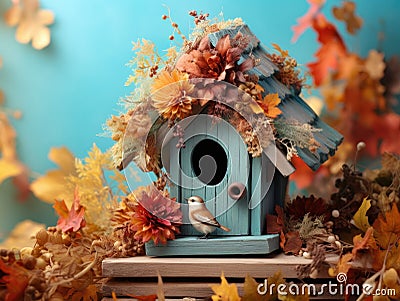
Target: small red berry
<point>174,25</point>
<point>164,17</point>
<point>171,37</point>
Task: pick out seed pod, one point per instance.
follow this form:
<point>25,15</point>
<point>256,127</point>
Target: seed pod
<point>390,277</point>
<point>29,262</point>
<point>42,237</point>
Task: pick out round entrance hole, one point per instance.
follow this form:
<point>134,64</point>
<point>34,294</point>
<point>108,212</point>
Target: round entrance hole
<point>209,162</point>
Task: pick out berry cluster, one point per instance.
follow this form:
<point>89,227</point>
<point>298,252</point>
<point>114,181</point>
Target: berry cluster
<point>198,18</point>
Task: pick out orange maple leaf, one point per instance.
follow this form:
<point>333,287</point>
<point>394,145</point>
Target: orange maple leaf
<point>270,105</point>
<point>387,228</point>
<point>331,51</point>
<point>16,280</point>
<point>305,21</point>
<point>70,220</point>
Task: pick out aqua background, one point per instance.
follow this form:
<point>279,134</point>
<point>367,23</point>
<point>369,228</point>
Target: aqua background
<point>67,91</point>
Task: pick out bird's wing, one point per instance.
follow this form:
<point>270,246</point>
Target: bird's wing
<point>211,221</point>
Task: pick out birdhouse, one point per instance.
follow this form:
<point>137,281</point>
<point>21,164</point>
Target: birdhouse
<point>213,158</point>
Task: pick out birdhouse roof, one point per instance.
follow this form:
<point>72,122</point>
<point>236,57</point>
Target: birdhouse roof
<point>293,107</point>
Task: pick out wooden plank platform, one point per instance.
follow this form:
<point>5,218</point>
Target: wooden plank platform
<point>235,267</point>
<point>227,245</point>
<point>192,276</point>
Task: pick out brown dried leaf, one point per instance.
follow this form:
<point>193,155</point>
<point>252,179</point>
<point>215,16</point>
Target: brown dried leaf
<point>346,13</point>
<point>293,243</point>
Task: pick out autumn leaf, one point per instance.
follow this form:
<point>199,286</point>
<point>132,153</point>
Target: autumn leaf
<point>250,290</point>
<point>15,279</point>
<point>306,21</point>
<point>360,218</point>
<point>315,207</point>
<point>10,165</point>
<point>293,243</point>
<point>375,64</point>
<point>52,186</point>
<point>331,51</point>
<point>346,13</point>
<point>8,169</point>
<point>269,105</point>
<point>364,243</point>
<point>225,291</point>
<point>275,223</point>
<point>31,22</point>
<point>70,220</point>
<point>387,228</point>
<point>344,264</point>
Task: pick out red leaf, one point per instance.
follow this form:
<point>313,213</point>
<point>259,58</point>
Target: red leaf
<point>274,226</point>
<point>15,279</point>
<point>70,220</point>
<point>305,21</point>
<point>332,49</point>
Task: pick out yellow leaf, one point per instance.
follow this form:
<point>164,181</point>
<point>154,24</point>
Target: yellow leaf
<point>9,169</point>
<point>225,291</point>
<point>63,158</point>
<point>250,290</point>
<point>52,185</point>
<point>360,217</point>
<point>270,105</point>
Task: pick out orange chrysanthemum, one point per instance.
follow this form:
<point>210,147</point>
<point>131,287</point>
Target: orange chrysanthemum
<point>171,92</point>
<point>156,216</point>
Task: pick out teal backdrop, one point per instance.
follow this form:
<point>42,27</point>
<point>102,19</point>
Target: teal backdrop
<point>68,90</point>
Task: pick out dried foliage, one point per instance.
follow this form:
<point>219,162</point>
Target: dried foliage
<point>358,93</point>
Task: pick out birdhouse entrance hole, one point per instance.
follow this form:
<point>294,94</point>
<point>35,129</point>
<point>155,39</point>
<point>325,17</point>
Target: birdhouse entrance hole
<point>209,162</point>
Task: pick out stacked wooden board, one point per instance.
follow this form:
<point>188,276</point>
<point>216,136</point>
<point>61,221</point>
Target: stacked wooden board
<point>190,278</point>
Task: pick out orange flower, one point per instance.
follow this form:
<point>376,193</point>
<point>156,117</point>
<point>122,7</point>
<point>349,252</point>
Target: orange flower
<point>156,216</point>
<point>171,92</point>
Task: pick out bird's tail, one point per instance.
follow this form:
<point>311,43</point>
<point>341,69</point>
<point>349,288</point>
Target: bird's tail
<point>225,228</point>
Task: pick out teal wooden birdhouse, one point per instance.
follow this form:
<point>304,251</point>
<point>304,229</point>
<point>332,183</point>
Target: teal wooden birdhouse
<point>226,147</point>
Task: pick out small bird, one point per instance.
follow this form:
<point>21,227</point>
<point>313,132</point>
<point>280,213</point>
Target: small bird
<point>201,218</point>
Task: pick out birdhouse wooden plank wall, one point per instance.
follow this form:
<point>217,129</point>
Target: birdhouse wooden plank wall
<point>214,157</point>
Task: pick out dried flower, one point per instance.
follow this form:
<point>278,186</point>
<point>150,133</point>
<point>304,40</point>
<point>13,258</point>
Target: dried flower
<point>156,216</point>
<point>171,92</point>
<point>221,62</point>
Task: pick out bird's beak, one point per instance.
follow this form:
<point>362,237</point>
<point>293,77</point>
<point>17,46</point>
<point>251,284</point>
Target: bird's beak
<point>187,199</point>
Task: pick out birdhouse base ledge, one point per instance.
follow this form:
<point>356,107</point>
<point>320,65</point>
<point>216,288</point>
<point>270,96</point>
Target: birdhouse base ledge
<point>221,245</point>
